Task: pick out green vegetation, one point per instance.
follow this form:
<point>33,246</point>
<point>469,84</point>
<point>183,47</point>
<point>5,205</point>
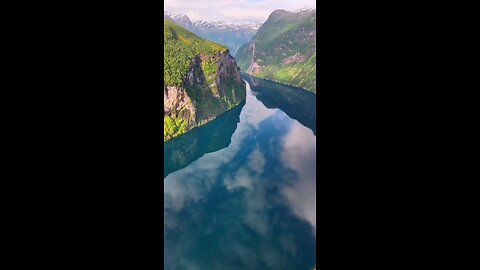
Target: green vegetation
<point>298,74</point>
<point>174,127</point>
<point>284,49</point>
<point>206,97</point>
<point>180,48</point>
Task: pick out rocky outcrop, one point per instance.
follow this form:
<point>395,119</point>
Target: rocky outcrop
<point>228,69</point>
<point>177,104</point>
<point>201,80</point>
<point>211,87</point>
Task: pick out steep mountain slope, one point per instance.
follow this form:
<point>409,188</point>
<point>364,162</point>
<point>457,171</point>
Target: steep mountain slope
<point>180,19</point>
<point>284,49</point>
<point>232,35</point>
<point>201,80</point>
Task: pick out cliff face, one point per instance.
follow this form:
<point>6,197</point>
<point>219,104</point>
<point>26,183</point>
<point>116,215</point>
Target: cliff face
<point>208,138</point>
<point>283,50</point>
<point>206,84</point>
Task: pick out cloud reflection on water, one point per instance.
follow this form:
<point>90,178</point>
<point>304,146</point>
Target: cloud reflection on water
<point>299,154</point>
<point>233,202</point>
<point>194,181</point>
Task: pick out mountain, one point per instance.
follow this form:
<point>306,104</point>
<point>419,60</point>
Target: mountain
<point>180,19</point>
<point>283,49</point>
<point>232,35</point>
<point>201,80</point>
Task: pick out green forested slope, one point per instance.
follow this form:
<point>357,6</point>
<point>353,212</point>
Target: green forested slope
<point>200,80</point>
<point>283,50</point>
<point>181,46</point>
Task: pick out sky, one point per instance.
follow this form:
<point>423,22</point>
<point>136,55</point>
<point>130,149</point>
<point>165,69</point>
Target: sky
<point>233,10</point>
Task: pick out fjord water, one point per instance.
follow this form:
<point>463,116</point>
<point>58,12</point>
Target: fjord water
<point>239,192</point>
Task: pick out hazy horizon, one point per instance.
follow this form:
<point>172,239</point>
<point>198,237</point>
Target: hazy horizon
<point>237,11</point>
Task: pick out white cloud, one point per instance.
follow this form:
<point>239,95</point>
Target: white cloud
<point>233,10</point>
<point>299,154</point>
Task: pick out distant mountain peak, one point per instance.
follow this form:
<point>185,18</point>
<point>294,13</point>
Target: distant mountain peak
<point>184,17</point>
<point>304,10</point>
<point>180,19</point>
<point>231,34</point>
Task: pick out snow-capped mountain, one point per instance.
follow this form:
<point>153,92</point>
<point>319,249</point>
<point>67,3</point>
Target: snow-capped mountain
<point>232,35</point>
<point>184,21</point>
<point>227,26</point>
<point>304,10</point>
<point>180,19</point>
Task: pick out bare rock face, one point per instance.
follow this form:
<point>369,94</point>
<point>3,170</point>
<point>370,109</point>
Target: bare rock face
<point>255,69</point>
<point>227,70</point>
<point>204,94</point>
<point>177,103</point>
<point>195,75</point>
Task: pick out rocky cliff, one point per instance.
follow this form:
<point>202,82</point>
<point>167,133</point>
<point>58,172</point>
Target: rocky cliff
<point>208,138</point>
<point>201,81</point>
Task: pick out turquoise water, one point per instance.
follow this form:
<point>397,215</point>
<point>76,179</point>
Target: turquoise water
<point>240,191</point>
